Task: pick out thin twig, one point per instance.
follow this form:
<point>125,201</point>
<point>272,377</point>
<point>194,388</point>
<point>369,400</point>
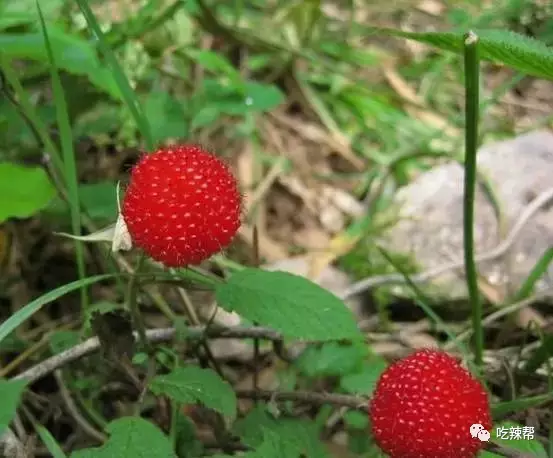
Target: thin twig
<point>73,410</point>
<point>309,397</point>
<point>92,345</point>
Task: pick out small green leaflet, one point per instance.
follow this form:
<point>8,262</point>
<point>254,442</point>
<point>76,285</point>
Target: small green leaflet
<point>295,437</point>
<point>290,304</point>
<point>131,437</point>
<point>363,381</point>
<point>332,359</point>
<point>10,393</point>
<point>193,384</point>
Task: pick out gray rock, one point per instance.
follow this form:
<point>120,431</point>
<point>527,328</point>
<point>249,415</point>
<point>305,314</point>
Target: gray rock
<point>431,224</point>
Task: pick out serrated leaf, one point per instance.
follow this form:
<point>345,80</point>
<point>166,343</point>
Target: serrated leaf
<point>518,51</point>
<point>298,437</point>
<point>190,385</point>
<point>10,393</point>
<point>364,381</point>
<point>273,446</point>
<point>24,190</point>
<point>291,304</point>
<point>131,437</point>
<point>331,359</point>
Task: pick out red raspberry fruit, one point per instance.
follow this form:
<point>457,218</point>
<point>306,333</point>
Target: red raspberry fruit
<point>424,406</point>
<point>182,205</point>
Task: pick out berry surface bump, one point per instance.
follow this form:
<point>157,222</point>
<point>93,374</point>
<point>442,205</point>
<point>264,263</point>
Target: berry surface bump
<point>182,205</point>
<point>424,405</point>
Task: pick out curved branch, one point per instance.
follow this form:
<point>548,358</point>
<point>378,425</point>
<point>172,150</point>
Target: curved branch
<point>152,335</point>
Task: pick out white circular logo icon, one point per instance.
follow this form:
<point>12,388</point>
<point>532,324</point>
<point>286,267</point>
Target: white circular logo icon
<point>478,431</point>
<point>484,435</point>
<point>475,429</point>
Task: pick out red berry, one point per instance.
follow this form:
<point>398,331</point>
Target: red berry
<point>182,205</point>
<point>424,405</point>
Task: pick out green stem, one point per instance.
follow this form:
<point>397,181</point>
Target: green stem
<point>472,70</point>
<point>132,301</point>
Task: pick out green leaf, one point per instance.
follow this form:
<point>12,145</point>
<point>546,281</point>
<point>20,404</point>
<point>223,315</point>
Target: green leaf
<point>273,446</point>
<point>193,384</point>
<point>63,340</point>
<point>207,115</point>
<point>331,359</point>
<point>518,405</point>
<point>528,443</point>
<point>131,437</point>
<point>297,437</point>
<point>24,191</point>
<point>215,62</point>
<point>99,200</point>
<point>356,420</point>
<point>19,12</point>
<point>166,116</point>
<point>518,51</point>
<point>73,54</point>
<point>31,308</point>
<point>187,443</point>
<point>291,304</point>
<point>364,381</point>
<point>262,97</point>
<point>10,393</point>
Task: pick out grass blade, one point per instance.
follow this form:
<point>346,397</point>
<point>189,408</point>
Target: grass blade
<point>31,308</point>
<point>50,443</point>
<point>537,272</point>
<point>68,151</point>
<point>122,81</point>
<point>472,71</point>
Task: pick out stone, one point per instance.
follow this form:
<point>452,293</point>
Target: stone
<point>430,228</point>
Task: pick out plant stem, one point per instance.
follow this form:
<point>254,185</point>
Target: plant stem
<point>138,322</point>
<point>472,70</point>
